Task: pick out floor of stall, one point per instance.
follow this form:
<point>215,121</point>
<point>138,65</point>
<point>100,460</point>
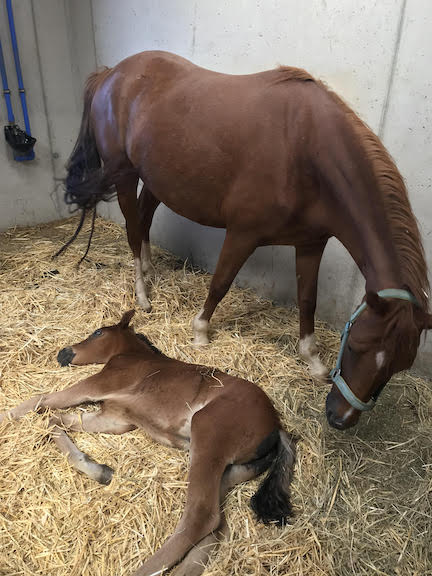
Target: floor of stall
<point>362,498</point>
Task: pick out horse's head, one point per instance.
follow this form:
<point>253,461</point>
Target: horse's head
<point>381,340</point>
<point>100,346</point>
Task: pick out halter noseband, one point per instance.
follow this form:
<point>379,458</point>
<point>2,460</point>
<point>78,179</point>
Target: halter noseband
<point>335,374</point>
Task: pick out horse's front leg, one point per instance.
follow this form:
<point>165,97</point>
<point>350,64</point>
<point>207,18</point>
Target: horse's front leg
<point>308,259</point>
<point>235,251</point>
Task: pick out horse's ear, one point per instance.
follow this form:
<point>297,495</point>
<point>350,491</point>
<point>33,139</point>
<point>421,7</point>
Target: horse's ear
<point>126,318</point>
<point>378,304</point>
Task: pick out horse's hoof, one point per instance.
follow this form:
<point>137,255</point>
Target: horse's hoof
<point>200,340</point>
<point>317,369</point>
<point>144,305</point>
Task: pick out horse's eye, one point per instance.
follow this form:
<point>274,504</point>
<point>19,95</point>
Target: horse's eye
<point>349,348</point>
<point>97,332</point>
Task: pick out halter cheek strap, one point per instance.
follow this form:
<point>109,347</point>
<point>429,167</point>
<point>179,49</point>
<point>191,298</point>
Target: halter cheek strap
<point>335,374</point>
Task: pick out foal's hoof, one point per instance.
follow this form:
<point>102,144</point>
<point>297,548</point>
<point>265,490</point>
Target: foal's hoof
<point>106,474</point>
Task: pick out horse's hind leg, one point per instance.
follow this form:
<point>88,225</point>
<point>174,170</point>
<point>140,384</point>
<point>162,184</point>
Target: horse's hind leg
<point>235,251</point>
<point>127,198</point>
<point>147,204</point>
<point>308,259</point>
<point>89,422</point>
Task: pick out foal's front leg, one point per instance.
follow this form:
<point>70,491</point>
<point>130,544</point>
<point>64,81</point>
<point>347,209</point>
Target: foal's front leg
<point>87,390</point>
<point>308,259</point>
<point>100,421</point>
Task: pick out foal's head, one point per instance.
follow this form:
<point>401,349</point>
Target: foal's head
<point>102,345</point>
<point>383,340</point>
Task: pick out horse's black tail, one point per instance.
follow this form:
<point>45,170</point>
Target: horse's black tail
<point>86,184</point>
<point>271,503</point>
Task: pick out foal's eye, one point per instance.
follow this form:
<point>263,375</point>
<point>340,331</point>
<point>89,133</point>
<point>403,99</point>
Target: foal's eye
<point>97,332</point>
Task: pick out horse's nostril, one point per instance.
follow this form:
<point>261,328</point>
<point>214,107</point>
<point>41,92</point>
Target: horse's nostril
<point>65,356</point>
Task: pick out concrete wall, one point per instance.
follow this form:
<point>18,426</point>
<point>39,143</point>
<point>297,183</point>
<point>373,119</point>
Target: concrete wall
<point>376,54</point>
<point>56,45</point>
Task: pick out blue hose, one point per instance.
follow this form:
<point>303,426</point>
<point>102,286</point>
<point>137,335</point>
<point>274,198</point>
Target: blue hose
<point>30,155</point>
<point>6,91</point>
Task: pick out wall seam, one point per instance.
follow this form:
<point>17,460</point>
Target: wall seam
<point>392,73</point>
<point>53,193</point>
<point>93,33</point>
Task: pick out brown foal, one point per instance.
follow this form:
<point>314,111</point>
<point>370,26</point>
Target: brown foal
<point>228,424</point>
<point>275,158</point>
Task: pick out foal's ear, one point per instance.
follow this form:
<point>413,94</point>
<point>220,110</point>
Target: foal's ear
<point>126,318</point>
<point>378,304</point>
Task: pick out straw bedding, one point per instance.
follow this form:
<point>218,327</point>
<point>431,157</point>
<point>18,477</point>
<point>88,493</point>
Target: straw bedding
<point>362,497</point>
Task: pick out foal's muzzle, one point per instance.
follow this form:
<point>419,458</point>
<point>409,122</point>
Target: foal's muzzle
<point>65,356</point>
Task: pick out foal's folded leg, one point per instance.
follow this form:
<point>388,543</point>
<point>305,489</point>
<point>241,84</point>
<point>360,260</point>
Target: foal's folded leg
<point>89,422</point>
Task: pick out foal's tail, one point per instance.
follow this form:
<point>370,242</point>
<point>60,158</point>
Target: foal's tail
<point>271,503</point>
<point>86,182</point>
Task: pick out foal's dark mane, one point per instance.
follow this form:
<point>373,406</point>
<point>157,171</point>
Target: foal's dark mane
<point>403,224</point>
<point>149,344</point>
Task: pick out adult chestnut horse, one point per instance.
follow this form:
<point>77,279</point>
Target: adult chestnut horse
<point>228,424</point>
<point>275,158</point>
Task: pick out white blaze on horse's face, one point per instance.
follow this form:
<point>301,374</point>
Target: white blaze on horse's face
<point>308,350</point>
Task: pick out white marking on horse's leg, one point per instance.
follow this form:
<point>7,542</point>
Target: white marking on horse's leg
<point>200,330</point>
<point>309,352</point>
<point>380,359</point>
<point>140,289</point>
<point>146,263</point>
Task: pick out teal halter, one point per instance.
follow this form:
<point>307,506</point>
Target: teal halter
<point>335,374</point>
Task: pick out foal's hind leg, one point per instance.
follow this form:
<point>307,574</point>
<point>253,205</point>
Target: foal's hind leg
<point>195,561</point>
<point>308,259</point>
<point>212,448</point>
<point>235,251</point>
<point>147,204</point>
<point>127,198</point>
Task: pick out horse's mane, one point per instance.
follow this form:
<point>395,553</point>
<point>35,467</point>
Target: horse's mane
<point>403,224</point>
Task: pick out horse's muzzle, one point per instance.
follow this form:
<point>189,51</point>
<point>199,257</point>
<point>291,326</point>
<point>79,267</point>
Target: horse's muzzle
<point>65,356</point>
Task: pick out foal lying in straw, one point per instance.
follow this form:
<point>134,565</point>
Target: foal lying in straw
<point>228,424</point>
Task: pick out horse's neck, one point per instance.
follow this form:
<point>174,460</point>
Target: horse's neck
<point>367,236</point>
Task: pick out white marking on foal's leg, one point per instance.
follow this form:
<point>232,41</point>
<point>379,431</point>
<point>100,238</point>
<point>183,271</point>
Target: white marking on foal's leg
<point>146,263</point>
<point>200,329</point>
<point>309,352</point>
<point>380,359</point>
<point>140,288</point>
